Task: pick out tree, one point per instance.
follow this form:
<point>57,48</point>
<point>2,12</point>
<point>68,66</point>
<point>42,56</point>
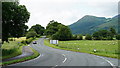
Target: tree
<point>96,36</point>
<point>38,29</point>
<point>14,17</point>
<point>63,33</point>
<point>52,27</point>
<point>113,31</point>
<point>80,37</point>
<point>102,35</point>
<point>118,37</point>
<point>30,34</point>
<point>74,37</point>
<point>88,37</point>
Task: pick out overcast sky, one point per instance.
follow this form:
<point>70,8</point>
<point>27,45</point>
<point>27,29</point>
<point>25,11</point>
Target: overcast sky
<point>67,11</point>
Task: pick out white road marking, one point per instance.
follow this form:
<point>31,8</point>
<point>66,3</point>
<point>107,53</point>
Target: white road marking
<point>64,59</point>
<point>108,62</point>
<point>56,65</point>
<point>27,61</point>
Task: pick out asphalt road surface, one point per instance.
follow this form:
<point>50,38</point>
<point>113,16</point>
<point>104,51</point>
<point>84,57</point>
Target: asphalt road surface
<point>56,58</point>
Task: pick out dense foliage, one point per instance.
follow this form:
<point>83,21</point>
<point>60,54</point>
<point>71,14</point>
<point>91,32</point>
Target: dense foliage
<point>77,37</point>
<point>62,34</point>
<point>104,34</point>
<point>52,28</point>
<point>38,29</point>
<point>88,37</point>
<point>30,34</point>
<point>14,17</point>
<point>58,31</point>
<point>118,37</point>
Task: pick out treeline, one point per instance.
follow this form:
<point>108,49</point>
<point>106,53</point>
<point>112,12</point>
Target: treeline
<point>110,34</point>
<point>58,31</point>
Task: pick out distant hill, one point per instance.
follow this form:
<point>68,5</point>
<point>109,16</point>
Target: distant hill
<point>113,22</point>
<point>90,24</point>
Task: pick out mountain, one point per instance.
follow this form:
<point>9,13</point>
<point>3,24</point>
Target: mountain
<point>90,24</point>
<point>86,24</point>
<point>113,22</point>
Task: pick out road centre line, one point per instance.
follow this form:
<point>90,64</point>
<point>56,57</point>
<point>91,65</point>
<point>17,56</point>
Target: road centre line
<point>64,59</point>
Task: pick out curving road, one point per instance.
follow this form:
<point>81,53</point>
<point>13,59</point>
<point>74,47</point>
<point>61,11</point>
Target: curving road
<point>55,58</point>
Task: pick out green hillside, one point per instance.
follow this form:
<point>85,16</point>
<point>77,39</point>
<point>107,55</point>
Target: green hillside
<point>113,22</point>
<point>90,24</point>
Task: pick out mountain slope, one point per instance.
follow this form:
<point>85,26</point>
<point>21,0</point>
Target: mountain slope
<point>90,24</point>
<point>85,24</point>
<point>113,22</point>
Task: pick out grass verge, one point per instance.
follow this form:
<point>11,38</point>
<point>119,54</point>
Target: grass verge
<point>36,54</point>
<point>104,48</point>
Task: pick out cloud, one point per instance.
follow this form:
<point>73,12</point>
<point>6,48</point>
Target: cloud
<point>67,11</point>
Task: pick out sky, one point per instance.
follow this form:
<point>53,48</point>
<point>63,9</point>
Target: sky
<point>67,11</point>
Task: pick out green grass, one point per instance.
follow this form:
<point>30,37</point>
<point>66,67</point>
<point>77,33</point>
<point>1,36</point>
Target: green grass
<point>36,54</point>
<point>12,49</point>
<point>108,48</point>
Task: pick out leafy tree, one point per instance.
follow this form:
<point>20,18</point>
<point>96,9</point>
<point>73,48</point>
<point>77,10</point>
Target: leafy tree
<point>52,28</point>
<point>96,36</point>
<point>74,37</point>
<point>118,37</point>
<point>14,17</point>
<point>63,33</point>
<point>88,37</point>
<point>30,34</point>
<point>80,37</point>
<point>38,29</point>
<point>102,35</point>
<point>113,31</point>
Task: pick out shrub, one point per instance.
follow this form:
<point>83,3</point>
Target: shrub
<point>88,37</point>
<point>80,37</point>
<point>31,34</point>
<point>74,37</point>
<point>28,41</point>
<point>11,39</point>
<point>118,37</point>
<point>23,42</point>
<point>109,38</point>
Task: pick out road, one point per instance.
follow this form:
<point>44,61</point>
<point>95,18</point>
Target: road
<point>56,57</point>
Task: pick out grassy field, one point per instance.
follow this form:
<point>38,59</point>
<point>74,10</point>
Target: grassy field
<point>36,54</point>
<point>108,48</point>
<point>13,48</point>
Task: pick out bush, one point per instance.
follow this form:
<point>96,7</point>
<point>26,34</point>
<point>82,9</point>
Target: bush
<point>31,34</point>
<point>23,42</point>
<point>109,38</point>
<point>80,37</point>
<point>6,52</point>
<point>74,37</point>
<point>11,39</point>
<point>88,37</point>
<point>27,41</point>
<point>118,37</point>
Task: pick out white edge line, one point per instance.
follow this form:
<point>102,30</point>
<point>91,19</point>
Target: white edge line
<point>54,66</point>
<point>64,59</point>
<point>108,62</point>
<point>28,60</point>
